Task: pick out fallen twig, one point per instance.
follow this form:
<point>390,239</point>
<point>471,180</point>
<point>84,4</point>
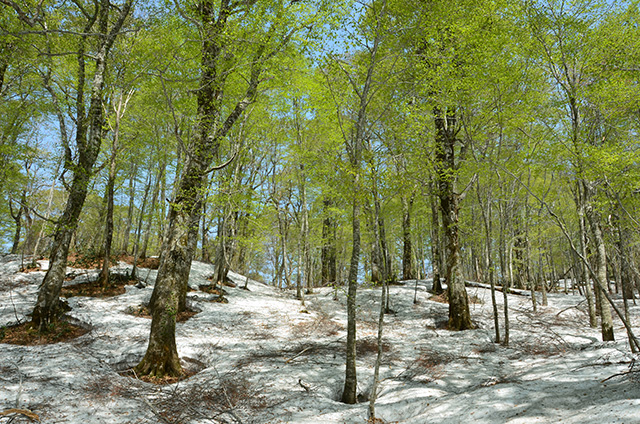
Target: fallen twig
<point>14,411</point>
<point>300,353</point>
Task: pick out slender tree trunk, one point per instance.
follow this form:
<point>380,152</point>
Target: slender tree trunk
<point>152,211</point>
<point>328,254</point>
<point>506,274</point>
<point>119,111</point>
<point>486,211</point>
<point>591,304</point>
<point>376,370</point>
<point>606,322</point>
<point>354,150</point>
<point>132,196</point>
<point>408,266</point>
<point>108,234</point>
<point>143,208</point>
<point>436,259</point>
<point>349,394</point>
<point>36,250</point>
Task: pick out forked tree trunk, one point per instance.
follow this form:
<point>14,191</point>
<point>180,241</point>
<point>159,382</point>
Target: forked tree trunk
<point>459,316</point>
<point>17,218</point>
<point>185,211</point>
<point>47,305</point>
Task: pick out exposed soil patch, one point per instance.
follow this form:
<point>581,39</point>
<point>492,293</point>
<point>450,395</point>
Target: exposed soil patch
<point>211,289</point>
<point>149,263</point>
<point>27,334</point>
<point>144,312</point>
<point>115,287</point>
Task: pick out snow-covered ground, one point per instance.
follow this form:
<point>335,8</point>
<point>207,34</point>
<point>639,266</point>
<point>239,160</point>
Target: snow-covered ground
<point>259,350</point>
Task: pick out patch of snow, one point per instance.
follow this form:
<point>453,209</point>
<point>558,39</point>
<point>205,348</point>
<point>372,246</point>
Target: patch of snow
<point>263,350</point>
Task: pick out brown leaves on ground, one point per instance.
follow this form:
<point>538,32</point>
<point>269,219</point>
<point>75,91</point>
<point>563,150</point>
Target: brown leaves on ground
<point>27,334</point>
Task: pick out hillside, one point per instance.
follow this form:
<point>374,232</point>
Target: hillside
<point>264,358</point>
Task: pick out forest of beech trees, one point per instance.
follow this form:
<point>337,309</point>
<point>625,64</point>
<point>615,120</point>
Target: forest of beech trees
<point>313,143</point>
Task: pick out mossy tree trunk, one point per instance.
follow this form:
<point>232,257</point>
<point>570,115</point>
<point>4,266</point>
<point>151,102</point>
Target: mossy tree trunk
<point>185,211</point>
<point>88,146</point>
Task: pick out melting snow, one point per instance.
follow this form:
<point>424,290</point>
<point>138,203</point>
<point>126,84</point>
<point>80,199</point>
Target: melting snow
<point>260,349</point>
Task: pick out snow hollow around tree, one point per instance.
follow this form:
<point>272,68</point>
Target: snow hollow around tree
<point>263,358</point>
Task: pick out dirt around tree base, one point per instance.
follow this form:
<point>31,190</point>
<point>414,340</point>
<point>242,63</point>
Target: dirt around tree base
<point>190,367</point>
<point>143,311</point>
<point>115,287</point>
<point>27,334</point>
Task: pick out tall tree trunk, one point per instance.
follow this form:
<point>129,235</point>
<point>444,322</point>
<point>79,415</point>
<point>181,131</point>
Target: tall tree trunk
<point>185,211</point>
<point>349,394</point>
<point>143,209</point>
<point>408,266</point>
<point>606,322</point>
<point>17,218</point>
<point>591,304</point>
<point>108,234</point>
<point>436,252</point>
<point>119,111</point>
<point>152,210</point>
<point>445,122</point>
<point>328,254</point>
<point>486,212</point>
<point>47,309</point>
<point>132,197</point>
<point>505,271</point>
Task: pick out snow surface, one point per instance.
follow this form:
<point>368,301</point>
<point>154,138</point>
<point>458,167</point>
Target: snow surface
<point>253,352</point>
